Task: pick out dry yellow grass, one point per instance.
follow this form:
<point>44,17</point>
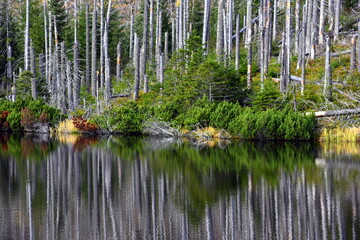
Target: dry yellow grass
<point>67,126</point>
<point>340,134</point>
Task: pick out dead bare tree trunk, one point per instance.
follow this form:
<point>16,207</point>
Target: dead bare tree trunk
<point>206,26</point>
<point>69,87</point>
<point>237,39</point>
<point>151,30</point>
<point>27,37</point>
<point>118,63</point>
<point>62,79</point>
<point>137,67</point>
<point>337,8</point>
<point>102,57</point>
<point>76,78</point>
<point>158,42</point>
<point>283,76</point>
<point>144,42</point>
<point>353,54</point>
<point>33,71</point>
<point>87,51</point>
<point>161,68</point>
<point>220,32</point>
<point>107,93</point>
<point>248,43</point>
<point>166,46</point>
<point>274,32</point>
<point>328,74</point>
<point>131,33</point>
<point>297,26</point>
<point>322,22</point>
<point>303,49</point>
<point>93,53</point>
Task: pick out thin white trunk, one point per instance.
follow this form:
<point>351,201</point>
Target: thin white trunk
<point>27,37</point>
<point>328,77</point>
<point>220,31</point>
<point>206,25</point>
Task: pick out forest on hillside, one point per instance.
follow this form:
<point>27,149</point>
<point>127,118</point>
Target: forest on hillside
<point>123,65</point>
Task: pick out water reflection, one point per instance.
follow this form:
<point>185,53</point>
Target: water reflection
<point>143,188</point>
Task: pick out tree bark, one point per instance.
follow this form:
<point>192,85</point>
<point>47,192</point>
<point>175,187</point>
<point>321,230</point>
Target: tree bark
<point>94,53</point>
<point>87,51</point>
<point>335,112</point>
<point>131,33</point>
<point>274,32</point>
<point>303,49</point>
<point>322,22</point>
<point>353,54</point>
<point>76,77</point>
<point>69,87</point>
<point>27,37</point>
<point>206,25</point>
<point>328,73</point>
<point>248,43</point>
<point>107,93</point>
<point>220,32</point>
<point>137,67</point>
<point>118,63</point>
<point>337,8</point>
<point>237,51</point>
<point>151,30</point>
<point>158,42</point>
<point>62,79</point>
<point>33,71</point>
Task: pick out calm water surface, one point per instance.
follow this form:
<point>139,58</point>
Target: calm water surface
<point>73,187</point>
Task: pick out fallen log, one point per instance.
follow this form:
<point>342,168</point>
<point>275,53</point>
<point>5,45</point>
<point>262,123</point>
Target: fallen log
<point>333,113</point>
<point>121,95</point>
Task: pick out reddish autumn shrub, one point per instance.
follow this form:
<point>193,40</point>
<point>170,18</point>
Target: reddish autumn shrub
<point>83,125</point>
<point>43,118</point>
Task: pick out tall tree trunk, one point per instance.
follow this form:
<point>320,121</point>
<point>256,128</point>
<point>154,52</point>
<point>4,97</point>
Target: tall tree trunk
<point>161,68</point>
<point>248,43</point>
<point>131,33</point>
<point>358,47</point>
<point>76,78</point>
<point>118,63</point>
<point>151,30</point>
<point>230,27</point>
<point>314,32</point>
<point>337,9</point>
<point>173,36</point>
<point>166,46</point>
<point>137,67</point>
<point>46,64</point>
<point>42,65</point>
<point>322,22</point>
<point>102,57</point>
<point>237,39</point>
<point>93,52</point>
<point>328,71</point>
<point>353,54</point>
<point>220,32</point>
<point>50,76</point>
<point>87,51</point>
<point>274,32</point>
<point>288,41</point>
<point>144,40</point>
<point>158,42</point>
<point>142,64</point>
<point>69,87</point>
<point>107,93</point>
<point>303,48</point>
<point>206,25</point>
<point>61,81</point>
<point>27,37</point>
<point>283,64</point>
<point>297,26</point>
<point>33,71</point>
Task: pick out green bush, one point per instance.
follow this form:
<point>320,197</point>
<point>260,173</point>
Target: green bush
<point>14,120</point>
<point>127,118</point>
<point>274,125</point>
<point>223,114</point>
<point>199,113</point>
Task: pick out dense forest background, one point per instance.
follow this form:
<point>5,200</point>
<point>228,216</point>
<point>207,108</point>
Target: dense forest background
<point>86,57</point>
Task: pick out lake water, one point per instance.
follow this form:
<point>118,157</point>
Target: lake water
<point>73,187</point>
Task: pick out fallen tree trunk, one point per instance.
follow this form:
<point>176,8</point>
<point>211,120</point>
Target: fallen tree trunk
<point>333,113</point>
